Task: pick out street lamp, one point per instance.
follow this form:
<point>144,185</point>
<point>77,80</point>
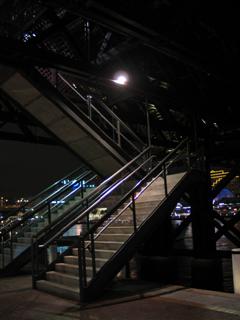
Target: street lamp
<point>121,78</point>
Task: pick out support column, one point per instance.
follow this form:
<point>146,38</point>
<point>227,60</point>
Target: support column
<point>206,268</point>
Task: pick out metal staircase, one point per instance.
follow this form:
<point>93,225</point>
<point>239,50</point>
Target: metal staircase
<point>45,209</point>
<point>83,122</point>
<point>99,252</point>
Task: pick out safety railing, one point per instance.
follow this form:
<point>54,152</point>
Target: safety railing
<point>96,111</point>
<point>16,237</point>
<point>131,184</point>
<point>42,196</point>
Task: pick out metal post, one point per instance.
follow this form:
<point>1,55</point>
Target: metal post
<point>46,258</point>
<point>148,124</point>
<point>118,133</point>
<point>81,184</point>
<point>11,246</point>
<point>89,103</point>
<point>37,258</point>
<point>93,255</point>
<point>33,263</point>
<point>188,155</point>
<point>2,251</point>
<point>88,222</point>
<point>134,214</point>
<point>82,263</point>
<point>49,213</point>
<point>165,180</point>
<point>80,270</point>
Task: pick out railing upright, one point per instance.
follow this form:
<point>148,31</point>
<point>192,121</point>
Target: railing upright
<point>93,254</point>
<point>165,179</point>
<point>134,213</point>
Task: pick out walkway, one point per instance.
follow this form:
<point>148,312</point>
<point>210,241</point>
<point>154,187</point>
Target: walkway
<point>19,302</point>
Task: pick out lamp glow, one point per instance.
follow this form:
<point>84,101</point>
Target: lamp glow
<point>121,78</point>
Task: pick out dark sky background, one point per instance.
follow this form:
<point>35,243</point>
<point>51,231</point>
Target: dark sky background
<point>28,168</point>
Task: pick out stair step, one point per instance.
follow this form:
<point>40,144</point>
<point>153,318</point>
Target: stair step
<point>113,237</point>
<point>98,253</point>
<point>24,240</point>
<point>20,245</point>
<point>74,260</point>
<point>72,269</point>
<point>63,278</point>
<point>67,268</point>
<point>58,289</point>
<point>119,230</point>
<point>108,245</point>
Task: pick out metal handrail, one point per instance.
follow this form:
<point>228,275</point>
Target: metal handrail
<point>45,190</point>
<point>114,175</point>
<point>29,214</point>
<point>88,237</point>
<point>99,200</point>
<point>132,191</point>
<point>107,109</point>
<point>123,124</point>
<point>91,207</point>
<point>55,223</point>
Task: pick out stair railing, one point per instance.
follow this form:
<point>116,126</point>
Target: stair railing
<point>86,239</point>
<point>46,193</point>
<point>45,209</point>
<point>96,111</point>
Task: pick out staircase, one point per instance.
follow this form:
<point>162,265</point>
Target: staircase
<point>83,271</point>
<point>85,124</point>
<point>64,279</point>
<point>47,208</point>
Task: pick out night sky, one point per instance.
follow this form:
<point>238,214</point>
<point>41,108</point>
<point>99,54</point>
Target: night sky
<point>28,168</point>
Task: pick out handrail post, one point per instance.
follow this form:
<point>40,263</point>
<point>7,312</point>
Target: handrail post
<point>188,155</point>
<point>165,179</point>
<point>2,251</point>
<point>11,246</point>
<point>81,185</point>
<point>93,255</point>
<point>89,103</point>
<point>88,222</point>
<point>49,213</point>
<point>45,258</point>
<point>118,133</point>
<point>81,268</point>
<point>33,263</point>
<point>134,213</point>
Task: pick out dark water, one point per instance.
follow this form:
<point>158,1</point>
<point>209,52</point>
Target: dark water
<point>184,241</point>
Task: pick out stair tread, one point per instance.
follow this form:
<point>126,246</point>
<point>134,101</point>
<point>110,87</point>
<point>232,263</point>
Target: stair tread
<point>105,250</point>
<point>117,227</point>
<point>102,241</point>
<point>65,275</point>
<point>115,234</point>
<point>58,285</point>
<point>87,258</point>
<point>100,250</point>
<point>74,266</point>
<point>67,264</point>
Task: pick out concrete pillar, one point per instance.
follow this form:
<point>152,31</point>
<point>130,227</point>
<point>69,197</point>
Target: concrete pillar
<point>236,269</point>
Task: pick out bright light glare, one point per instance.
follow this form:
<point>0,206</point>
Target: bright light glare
<point>120,78</point>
